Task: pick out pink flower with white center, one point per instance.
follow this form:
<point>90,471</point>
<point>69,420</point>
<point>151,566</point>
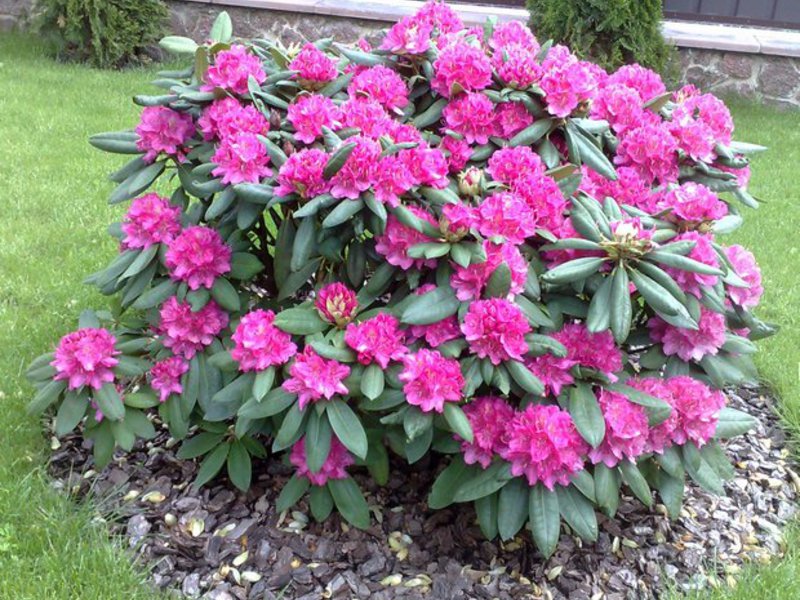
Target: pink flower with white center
<point>622,107</point>
<point>516,66</point>
<point>225,117</point>
<point>698,407</point>
<point>495,329</point>
<point>397,239</point>
<point>458,153</point>
<point>471,115</point>
<point>489,418</point>
<point>566,86</point>
<point>165,376</point>
<point>313,378</point>
<point>469,282</point>
<point>186,332</point>
<point>431,380</point>
<point>647,83</point>
<point>660,436</point>
<point>378,340</point>
<point>241,158</point>
<point>410,35</point>
<point>745,266</point>
<point>652,151</point>
<point>163,130</point>
<point>690,344</point>
<point>86,357</point>
<point>334,467</point>
<point>553,372</point>
<point>507,165</point>
<point>367,115</point>
<point>358,171</point>
<point>382,85</point>
<point>461,67</point>
<point>150,219</point>
<point>231,70</point>
<point>259,344</point>
<point>512,117</point>
<point>506,215</point>
<point>198,256</point>
<point>314,67</point>
<point>703,252</point>
<point>336,303</point>
<point>693,202</point>
<point>544,446</point>
<point>425,166</point>
<point>627,430</point>
<point>513,33</point>
<point>309,113</point>
<point>302,174</point>
<point>592,350</point>
<point>543,196</point>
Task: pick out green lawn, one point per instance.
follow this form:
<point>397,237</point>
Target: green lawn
<point>53,216</point>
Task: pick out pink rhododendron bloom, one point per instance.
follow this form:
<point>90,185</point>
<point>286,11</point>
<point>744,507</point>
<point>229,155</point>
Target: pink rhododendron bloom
<point>469,282</point>
<point>543,197</point>
<point>647,83</point>
<point>458,153</point>
<point>566,86</point>
<point>629,188</point>
<point>461,66</point>
<point>397,239</point>
<point>471,115</point>
<point>690,344</point>
<point>506,215</point>
<point>516,66</point>
<point>552,371</point>
<point>86,357</point>
<point>513,33</point>
<point>622,107</point>
<point>259,344</point>
<point>693,202</point>
<point>544,445</point>
<point>390,180</point>
<point>660,436</point>
<point>695,138</point>
<point>378,340</point>
<point>232,68</point>
<point>627,431</point>
<point>410,35</point>
<point>150,219</point>
<point>592,350</point>
<point>241,158</point>
<point>309,113</point>
<point>431,380</point>
<point>163,130</point>
<point>652,151</point>
<point>495,329</point>
<point>709,111</point>
<point>302,174</point>
<point>313,378</point>
<point>511,118</point>
<point>425,166</point>
<point>198,256</point>
<point>697,407</point>
<point>745,266</point>
<point>225,117</point>
<point>440,16</point>
<point>186,332</point>
<point>336,303</point>
<point>703,252</point>
<point>367,115</point>
<point>334,467</point>
<point>457,220</point>
<point>382,85</point>
<point>314,67</point>
<point>358,171</point>
<point>509,164</point>
<point>438,333</point>
<point>489,418</point>
<point>165,376</point>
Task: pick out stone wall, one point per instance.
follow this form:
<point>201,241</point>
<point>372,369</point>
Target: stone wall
<point>14,13</point>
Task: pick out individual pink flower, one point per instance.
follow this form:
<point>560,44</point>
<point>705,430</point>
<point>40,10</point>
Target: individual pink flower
<point>241,158</point>
<point>544,198</point>
<point>390,180</point>
<point>302,174</point>
<point>309,113</point>
<point>566,86</point>
<point>622,107</point>
<point>358,171</point>
<point>312,377</point>
<point>425,166</point>
<point>693,202</point>
<point>469,282</point>
<point>163,130</point>
<point>703,252</point>
<point>511,118</point>
<point>513,33</point>
<point>151,219</point>
<point>334,467</point>
<point>232,68</point>
<point>745,266</point>
<point>378,340</point>
<point>591,350</point>
<point>336,303</point>
<point>495,329</point>
<point>410,35</point>
<point>660,436</point>
<point>395,241</point>
<point>489,418</point>
<point>544,446</point>
<point>198,256</point>
<point>698,407</point>
<point>430,380</point>
<point>382,85</point>
<point>86,357</point>
<point>471,115</point>
<point>259,344</point>
<point>554,372</point>
<point>227,116</point>
<point>186,332</point>
<point>652,151</point>
<point>165,376</point>
<point>709,111</point>
<point>440,16</point>
<point>627,431</point>
<point>647,83</point>
<point>366,115</point>
<point>437,333</point>
<point>506,215</point>
<point>506,165</point>
<point>461,66</point>
<point>457,218</point>
<point>458,153</point>
<point>690,344</point>
<point>694,138</point>
<point>314,67</point>
<point>516,66</point>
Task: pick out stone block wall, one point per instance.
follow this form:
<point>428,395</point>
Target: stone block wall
<point>14,13</point>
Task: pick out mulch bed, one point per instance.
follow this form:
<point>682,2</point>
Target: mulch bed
<point>220,544</point>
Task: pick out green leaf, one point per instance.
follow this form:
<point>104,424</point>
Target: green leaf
<point>577,512</point>
<point>620,305</point>
<point>70,412</point>
<point>321,502</point>
<point>317,441</point>
<point>512,508</point>
<point>225,295</point>
<point>733,422</point>
<point>590,154</point>
<point>240,468</point>
<point>532,133</point>
<point>275,402</point>
<point>524,377</point>
<point>109,401</point>
<point>634,479</point>
<point>574,270</point>
<point>295,281</point>
<point>586,413</point>
<point>244,266</point>
<point>606,488</point>
<point>222,29</point>
<point>349,501</point>
<point>448,482</point>
<point>304,242</point>
<point>372,381</point>
<point>431,115</point>
<point>136,183</point>
<point>347,427</point>
<point>431,307</point>
<point>683,263</point>
<point>288,432</point>
<point>545,519</point>
<point>263,383</point>
<point>700,471</point>
<point>156,295</point>
<point>599,316</point>
<point>223,361</point>
<point>486,511</point>
<point>104,443</point>
<point>141,399</point>
<point>200,444</point>
<point>337,160</point>
<point>671,490</point>
<point>211,465</point>
<point>46,395</point>
<point>344,211</point>
<point>143,260</point>
<point>300,321</point>
<point>291,493</point>
<point>178,44</point>
<point>118,142</point>
<point>658,297</point>
<point>486,482</point>
<point>499,283</point>
<point>458,421</point>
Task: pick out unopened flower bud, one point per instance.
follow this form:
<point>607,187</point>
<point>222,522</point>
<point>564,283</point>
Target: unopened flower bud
<point>337,304</point>
<point>456,221</point>
<point>470,182</point>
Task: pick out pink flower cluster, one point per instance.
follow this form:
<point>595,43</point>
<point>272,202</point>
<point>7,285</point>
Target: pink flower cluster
<point>470,282</point>
<point>382,85</point>
<point>151,219</point>
<point>489,418</point>
<point>334,467</point>
<point>314,68</point>
<point>302,174</point>
<point>398,238</point>
<point>627,430</point>
<point>496,329</point>
<point>241,158</point>
<point>186,332</point>
<point>312,377</point>
<point>690,344</point>
<point>431,380</point>
<point>567,82</point>
<point>376,340</point>
<point>259,344</point>
<point>309,113</point>
<point>232,68</point>
<point>162,130</point>
<point>165,376</point>
<point>226,117</point>
<point>693,203</point>
<point>745,266</point>
<point>461,67</point>
<point>703,252</point>
<point>86,357</point>
<point>198,256</point>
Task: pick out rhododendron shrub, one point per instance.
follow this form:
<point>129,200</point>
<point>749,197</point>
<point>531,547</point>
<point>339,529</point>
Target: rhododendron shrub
<point>462,244</point>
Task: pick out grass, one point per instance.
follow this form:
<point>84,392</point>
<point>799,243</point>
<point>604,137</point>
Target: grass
<point>53,215</point>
